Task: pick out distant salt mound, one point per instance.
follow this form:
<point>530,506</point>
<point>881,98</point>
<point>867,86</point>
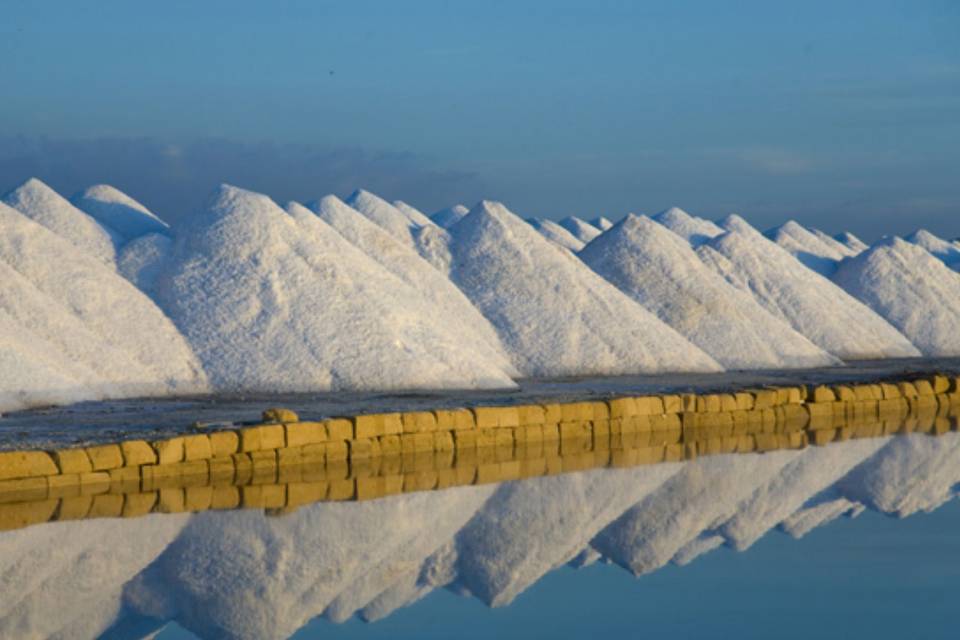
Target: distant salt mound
<point>384,214</point>
<point>662,272</point>
<point>555,315</point>
<point>830,241</point>
<point>943,250</point>
<point>143,259</point>
<point>601,223</point>
<point>914,291</point>
<point>119,212</point>
<point>450,216</point>
<point>413,214</point>
<point>444,298</point>
<point>807,247</point>
<point>45,206</point>
<point>813,305</point>
<point>694,230</point>
<point>273,302</point>
<point>71,328</point>
<point>556,234</point>
<point>853,242</point>
<point>581,229</point>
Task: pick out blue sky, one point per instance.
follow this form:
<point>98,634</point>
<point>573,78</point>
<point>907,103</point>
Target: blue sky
<point>839,114</point>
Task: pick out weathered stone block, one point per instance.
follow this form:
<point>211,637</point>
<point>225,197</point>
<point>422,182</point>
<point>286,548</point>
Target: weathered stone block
<point>137,453</point>
<point>278,415</point>
<point>169,451</point>
<point>18,516</point>
<point>419,421</point>
<point>72,461</point>
<point>138,504</point>
<point>23,489</point>
<point>26,464</point>
<point>197,447</point>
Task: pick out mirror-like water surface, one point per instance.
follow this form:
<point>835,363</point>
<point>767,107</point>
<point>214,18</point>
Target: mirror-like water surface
<point>711,541</point>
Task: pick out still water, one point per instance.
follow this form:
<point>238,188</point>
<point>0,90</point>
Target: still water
<point>853,539</point>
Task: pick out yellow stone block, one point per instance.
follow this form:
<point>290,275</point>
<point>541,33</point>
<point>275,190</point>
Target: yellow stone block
<point>276,415</point>
<point>243,468</point>
<point>940,384</point>
<point>74,508</point>
<point>65,485</point>
<point>744,400</point>
<point>418,421</point>
<point>169,451</point>
<point>138,504</point>
<point>18,516</point>
<point>225,497</point>
<point>106,506</point>
<point>621,407</point>
<point>226,443</point>
<point>264,467</point>
<point>266,496</point>
<point>361,449</point>
<point>822,393</point>
<point>672,403</point>
<point>197,447</point>
<point>26,464</point>
<point>649,405</point>
<point>532,414</point>
<point>124,480</point>
<point>105,457</point>
<point>304,493</point>
<point>339,429</point>
<point>336,452</point>
<point>198,498</point>
<point>728,402</point>
<point>443,441</point>
<point>23,489</point>
<point>137,453</point>
<point>94,482</point>
<point>301,433</point>
<point>72,461</point>
<point>487,417</point>
<point>171,501</point>
<point>341,490</point>
<point>455,419</point>
<point>923,387</point>
<point>764,398</point>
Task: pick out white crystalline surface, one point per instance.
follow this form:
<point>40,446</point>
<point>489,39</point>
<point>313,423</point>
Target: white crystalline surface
<point>581,229</point>
<point>694,230</point>
<point>601,223</point>
<point>554,314</point>
<point>142,260</point>
<point>275,302</point>
<point>662,272</point>
<point>556,234</point>
<point>843,248</point>
<point>384,214</point>
<point>119,212</point>
<point>913,290</point>
<point>450,216</point>
<point>45,206</point>
<point>445,300</point>
<point>813,305</point>
<point>71,326</point>
<point>807,247</point>
<point>413,214</point>
<point>855,244</point>
<point>942,249</point>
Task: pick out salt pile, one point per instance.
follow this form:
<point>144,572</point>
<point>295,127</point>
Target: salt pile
<point>450,216</point>
<point>581,229</point>
<point>384,214</point>
<point>807,247</point>
<point>280,303</point>
<point>694,230</point>
<point>45,206</point>
<point>71,328</point>
<point>913,290</point>
<point>556,234</point>
<point>809,302</point>
<point>555,315</point>
<point>119,212</point>
<point>414,215</point>
<point>946,251</point>
<point>855,244</point>
<point>830,241</point>
<point>443,297</point>
<point>601,223</point>
<point>663,273</point>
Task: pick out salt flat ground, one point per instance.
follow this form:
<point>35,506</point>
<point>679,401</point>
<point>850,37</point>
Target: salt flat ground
<point>109,421</point>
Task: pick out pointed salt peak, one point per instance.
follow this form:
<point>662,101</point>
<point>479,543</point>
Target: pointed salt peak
<point>109,193</point>
<point>924,237</point>
<point>363,197</point>
<point>226,198</point>
<point>119,212</point>
<point>493,209</point>
<point>673,214</point>
<point>601,222</point>
<point>33,188</point>
<point>449,216</point>
<point>734,222</point>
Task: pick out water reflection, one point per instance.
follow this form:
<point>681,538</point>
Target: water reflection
<point>247,575</point>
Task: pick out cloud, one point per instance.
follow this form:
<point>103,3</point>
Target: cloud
<point>173,178</point>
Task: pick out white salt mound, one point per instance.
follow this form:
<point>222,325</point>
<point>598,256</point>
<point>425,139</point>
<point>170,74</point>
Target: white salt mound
<point>807,247</point>
<point>555,315</point>
<point>853,242</point>
<point>660,270</point>
<point>76,328</point>
<point>450,216</point>
<point>601,223</point>
<point>556,234</point>
<point>384,214</point>
<point>581,229</point>
<point>45,206</point>
<point>446,301</point>
<point>142,260</point>
<point>413,214</point>
<point>694,230</point>
<point>119,212</point>
<point>809,302</point>
<point>940,248</point>
<point>832,242</point>
<point>913,290</point>
<point>272,302</point>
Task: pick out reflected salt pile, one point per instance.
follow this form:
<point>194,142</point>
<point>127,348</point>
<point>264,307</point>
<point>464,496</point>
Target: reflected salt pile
<point>242,574</point>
